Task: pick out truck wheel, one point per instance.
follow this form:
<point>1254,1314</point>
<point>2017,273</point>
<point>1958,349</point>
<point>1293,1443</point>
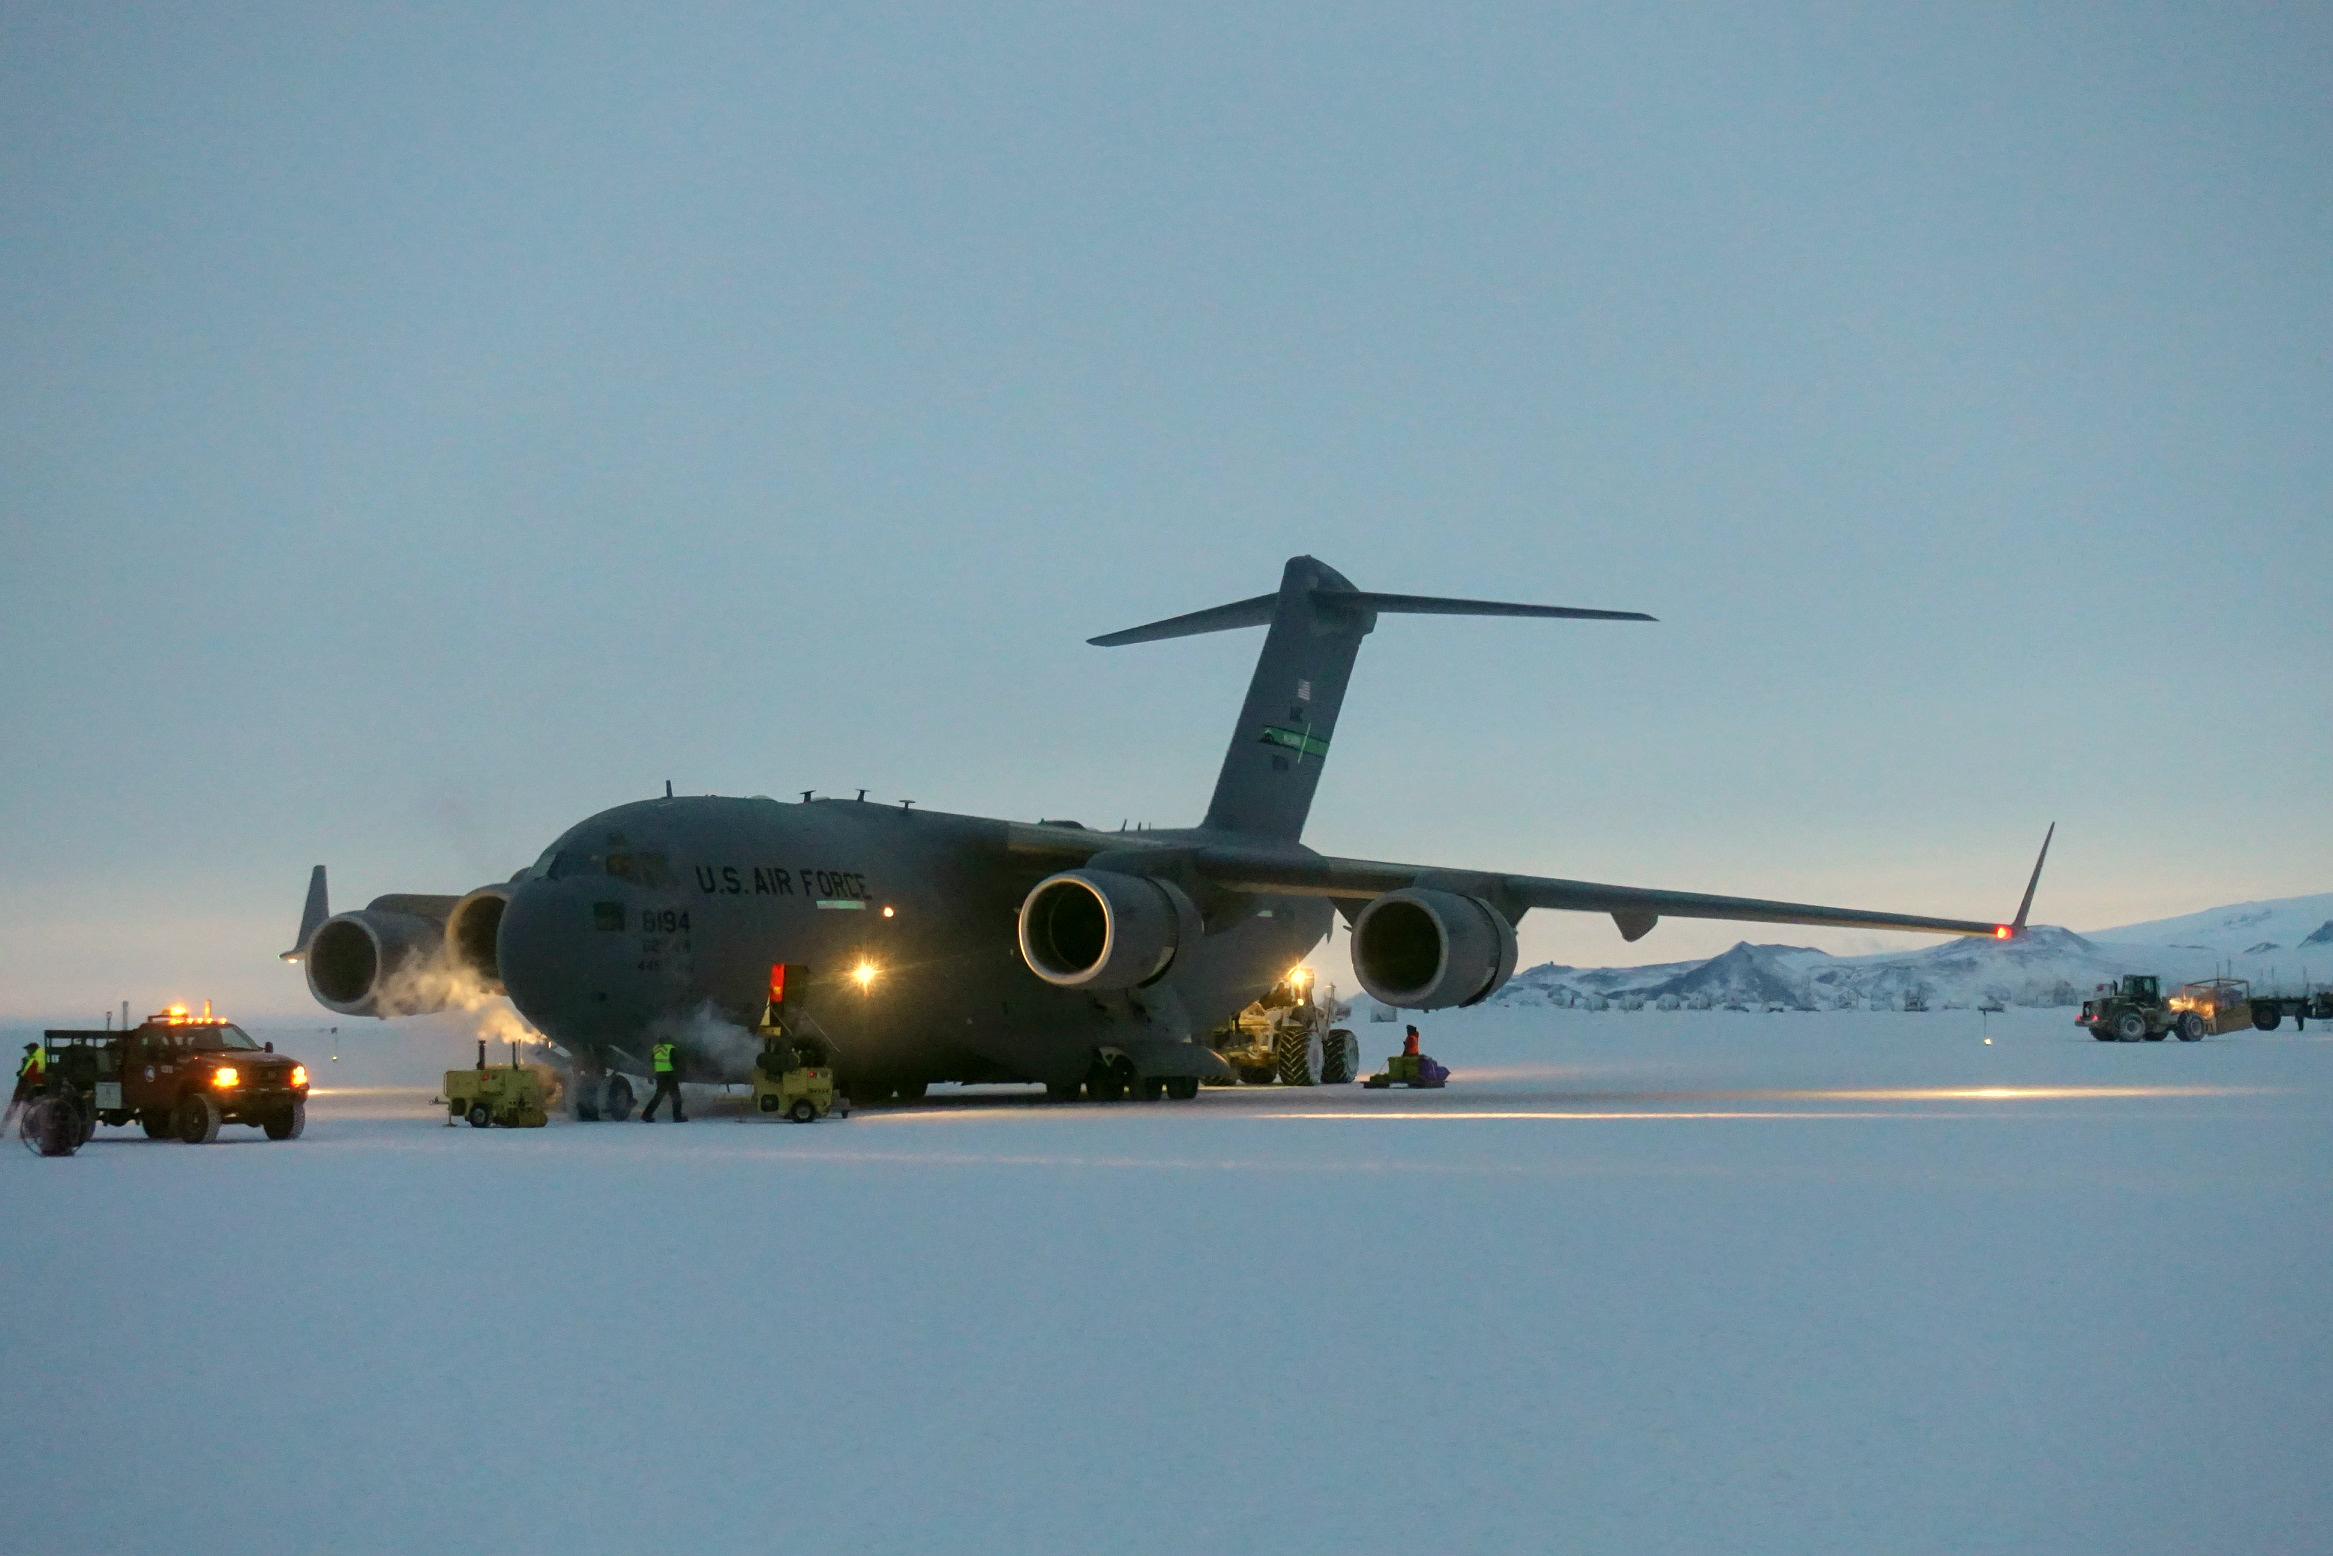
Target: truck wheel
<point>198,1119</point>
<point>2191,1028</point>
<point>2267,1018</point>
<point>769,1102</point>
<point>804,1111</point>
<point>1342,1060</point>
<point>1302,1057</point>
<point>2130,1026</point>
<point>290,1124</point>
<point>617,1106</point>
<point>480,1115</point>
<point>1182,1088</point>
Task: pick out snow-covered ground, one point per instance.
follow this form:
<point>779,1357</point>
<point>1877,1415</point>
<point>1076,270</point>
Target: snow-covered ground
<point>1636,1282</point>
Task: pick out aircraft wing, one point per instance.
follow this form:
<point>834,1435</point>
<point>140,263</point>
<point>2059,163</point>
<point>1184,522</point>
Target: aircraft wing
<point>1634,908</point>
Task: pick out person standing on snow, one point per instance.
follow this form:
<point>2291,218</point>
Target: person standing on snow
<point>667,1084</point>
<point>32,1078</point>
<point>1409,1044</point>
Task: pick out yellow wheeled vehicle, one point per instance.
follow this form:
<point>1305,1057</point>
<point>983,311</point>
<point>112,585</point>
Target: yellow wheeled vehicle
<point>512,1095</point>
<point>795,1076</point>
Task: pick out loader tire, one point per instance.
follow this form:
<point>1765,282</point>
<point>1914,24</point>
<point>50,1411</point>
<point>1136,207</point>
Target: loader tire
<point>198,1119</point>
<point>1302,1057</point>
<point>2130,1027</point>
<point>2191,1028</point>
<point>1342,1061</point>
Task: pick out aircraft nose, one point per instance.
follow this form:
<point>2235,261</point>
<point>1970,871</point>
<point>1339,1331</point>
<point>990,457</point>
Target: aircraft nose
<point>540,947</point>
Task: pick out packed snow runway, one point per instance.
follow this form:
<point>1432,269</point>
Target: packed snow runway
<point>1634,1282</point>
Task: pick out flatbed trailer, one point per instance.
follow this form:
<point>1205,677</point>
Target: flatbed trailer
<point>2269,1011</point>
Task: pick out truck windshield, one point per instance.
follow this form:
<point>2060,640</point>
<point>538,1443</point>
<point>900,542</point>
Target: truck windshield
<point>226,1035</point>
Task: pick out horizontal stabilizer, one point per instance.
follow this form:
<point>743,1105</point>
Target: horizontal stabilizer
<point>1431,605</point>
<point>1258,613</point>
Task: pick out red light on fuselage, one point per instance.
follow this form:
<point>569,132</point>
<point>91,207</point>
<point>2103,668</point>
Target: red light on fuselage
<point>777,983</point>
<point>2000,932</point>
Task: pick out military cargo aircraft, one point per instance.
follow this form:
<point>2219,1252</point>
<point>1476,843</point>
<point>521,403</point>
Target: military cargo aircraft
<point>930,947</point>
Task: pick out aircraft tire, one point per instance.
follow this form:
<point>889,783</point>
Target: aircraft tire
<point>198,1119</point>
<point>1056,1091</point>
<point>2191,1028</point>
<point>617,1106</point>
<point>1302,1055</point>
<point>1182,1088</point>
<point>1151,1088</point>
<point>914,1091</point>
<point>290,1124</point>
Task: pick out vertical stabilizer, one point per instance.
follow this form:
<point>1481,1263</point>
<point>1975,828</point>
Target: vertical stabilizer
<point>1318,621</point>
<point>1282,739</point>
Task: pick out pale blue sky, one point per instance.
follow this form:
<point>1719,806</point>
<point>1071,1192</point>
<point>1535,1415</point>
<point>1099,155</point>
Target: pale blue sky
<point>425,426</point>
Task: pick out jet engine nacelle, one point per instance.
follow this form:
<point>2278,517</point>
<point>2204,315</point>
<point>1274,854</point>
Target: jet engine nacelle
<point>370,963</point>
<point>1422,949</point>
<point>1104,930</point>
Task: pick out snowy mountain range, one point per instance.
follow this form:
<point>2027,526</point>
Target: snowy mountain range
<point>2278,945</point>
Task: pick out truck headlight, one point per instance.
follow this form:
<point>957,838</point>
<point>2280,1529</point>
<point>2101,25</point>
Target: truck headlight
<point>225,1076</point>
<point>299,1077</point>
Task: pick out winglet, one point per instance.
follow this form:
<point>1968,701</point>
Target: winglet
<point>2017,926</point>
<point>312,916</point>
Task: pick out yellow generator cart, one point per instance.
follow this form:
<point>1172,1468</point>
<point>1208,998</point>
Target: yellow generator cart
<point>2210,1008</point>
<point>795,1077</point>
<point>512,1095</point>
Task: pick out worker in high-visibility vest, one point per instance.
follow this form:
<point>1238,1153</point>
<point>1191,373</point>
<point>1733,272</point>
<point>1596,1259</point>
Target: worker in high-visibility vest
<point>32,1078</point>
<point>662,1059</point>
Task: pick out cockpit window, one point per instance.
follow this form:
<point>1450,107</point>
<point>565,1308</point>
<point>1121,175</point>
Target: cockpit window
<point>573,861</point>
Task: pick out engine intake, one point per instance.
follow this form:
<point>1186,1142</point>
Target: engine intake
<point>473,936</point>
<point>1100,929</point>
<point>1422,949</point>
<point>378,963</point>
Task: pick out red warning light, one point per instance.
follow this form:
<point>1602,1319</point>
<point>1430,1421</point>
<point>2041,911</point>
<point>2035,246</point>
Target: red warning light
<point>2001,932</point>
<point>777,983</point>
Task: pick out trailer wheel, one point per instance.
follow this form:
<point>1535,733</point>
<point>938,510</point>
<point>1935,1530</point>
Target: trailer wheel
<point>2130,1026</point>
<point>290,1124</point>
<point>2267,1017</point>
<point>2191,1028</point>
<point>1302,1057</point>
<point>198,1119</point>
<point>480,1115</point>
<point>804,1111</point>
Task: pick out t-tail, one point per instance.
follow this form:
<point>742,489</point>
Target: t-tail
<point>1317,622</point>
